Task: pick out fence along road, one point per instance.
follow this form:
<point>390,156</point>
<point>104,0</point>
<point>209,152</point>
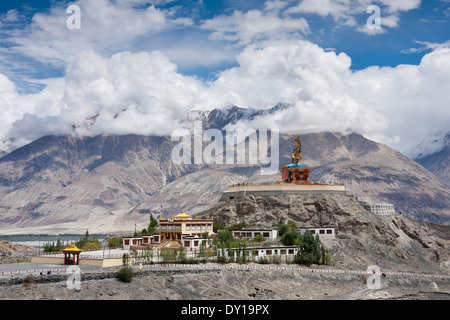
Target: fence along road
<point>22,270</point>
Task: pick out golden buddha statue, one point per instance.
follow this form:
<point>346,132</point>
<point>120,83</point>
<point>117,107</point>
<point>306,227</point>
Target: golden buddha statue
<point>296,155</point>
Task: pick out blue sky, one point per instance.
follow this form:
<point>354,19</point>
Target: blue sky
<point>428,22</point>
<point>213,50</point>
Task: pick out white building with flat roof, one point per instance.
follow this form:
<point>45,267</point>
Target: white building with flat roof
<point>250,233</point>
<point>284,253</point>
<point>323,232</point>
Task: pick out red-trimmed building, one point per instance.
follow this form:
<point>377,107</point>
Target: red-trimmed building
<point>183,224</point>
<point>181,228</point>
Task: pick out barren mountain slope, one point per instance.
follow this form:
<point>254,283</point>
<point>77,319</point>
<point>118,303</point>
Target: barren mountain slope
<point>63,180</point>
<point>108,183</point>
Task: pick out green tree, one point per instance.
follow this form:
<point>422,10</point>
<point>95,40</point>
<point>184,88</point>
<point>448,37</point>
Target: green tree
<point>115,241</point>
<point>244,253</point>
<point>182,255</point>
<point>168,255</point>
<point>125,259</point>
<point>92,244</point>
<point>149,255</point>
<point>153,225</point>
<point>292,225</point>
<point>312,251</point>
<point>225,236</point>
<point>59,245</point>
<point>289,238</point>
<point>282,229</point>
<point>258,238</point>
<point>125,274</point>
<point>88,242</point>
<point>218,226</point>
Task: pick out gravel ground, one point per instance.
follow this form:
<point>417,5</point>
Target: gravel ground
<point>215,284</point>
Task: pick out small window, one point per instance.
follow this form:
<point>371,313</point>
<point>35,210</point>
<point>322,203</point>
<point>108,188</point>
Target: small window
<point>329,231</point>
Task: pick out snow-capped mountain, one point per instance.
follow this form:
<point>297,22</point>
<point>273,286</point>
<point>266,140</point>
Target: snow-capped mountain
<point>434,154</point>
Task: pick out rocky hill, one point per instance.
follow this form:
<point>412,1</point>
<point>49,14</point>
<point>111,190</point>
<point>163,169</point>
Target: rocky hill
<point>108,183</point>
<point>394,242</point>
<point>14,252</point>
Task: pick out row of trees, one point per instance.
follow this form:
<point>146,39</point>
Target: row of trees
<point>310,248</point>
<point>54,247</point>
<point>88,243</point>
<point>85,243</point>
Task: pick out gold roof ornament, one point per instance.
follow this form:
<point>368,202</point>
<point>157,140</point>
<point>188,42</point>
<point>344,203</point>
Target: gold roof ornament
<point>182,216</point>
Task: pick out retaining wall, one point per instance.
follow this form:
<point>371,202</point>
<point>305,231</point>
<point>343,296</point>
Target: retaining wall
<point>102,263</point>
<point>380,209</point>
<point>277,189</point>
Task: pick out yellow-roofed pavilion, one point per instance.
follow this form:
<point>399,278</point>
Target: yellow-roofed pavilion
<point>72,254</point>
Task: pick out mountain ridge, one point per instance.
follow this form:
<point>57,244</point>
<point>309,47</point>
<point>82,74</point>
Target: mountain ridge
<point>437,160</point>
<point>107,183</point>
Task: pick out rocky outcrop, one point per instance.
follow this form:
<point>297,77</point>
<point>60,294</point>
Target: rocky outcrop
<point>315,209</point>
<point>362,238</point>
<point>13,252</point>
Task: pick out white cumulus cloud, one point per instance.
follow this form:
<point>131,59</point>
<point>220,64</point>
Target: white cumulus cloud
<point>244,28</point>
